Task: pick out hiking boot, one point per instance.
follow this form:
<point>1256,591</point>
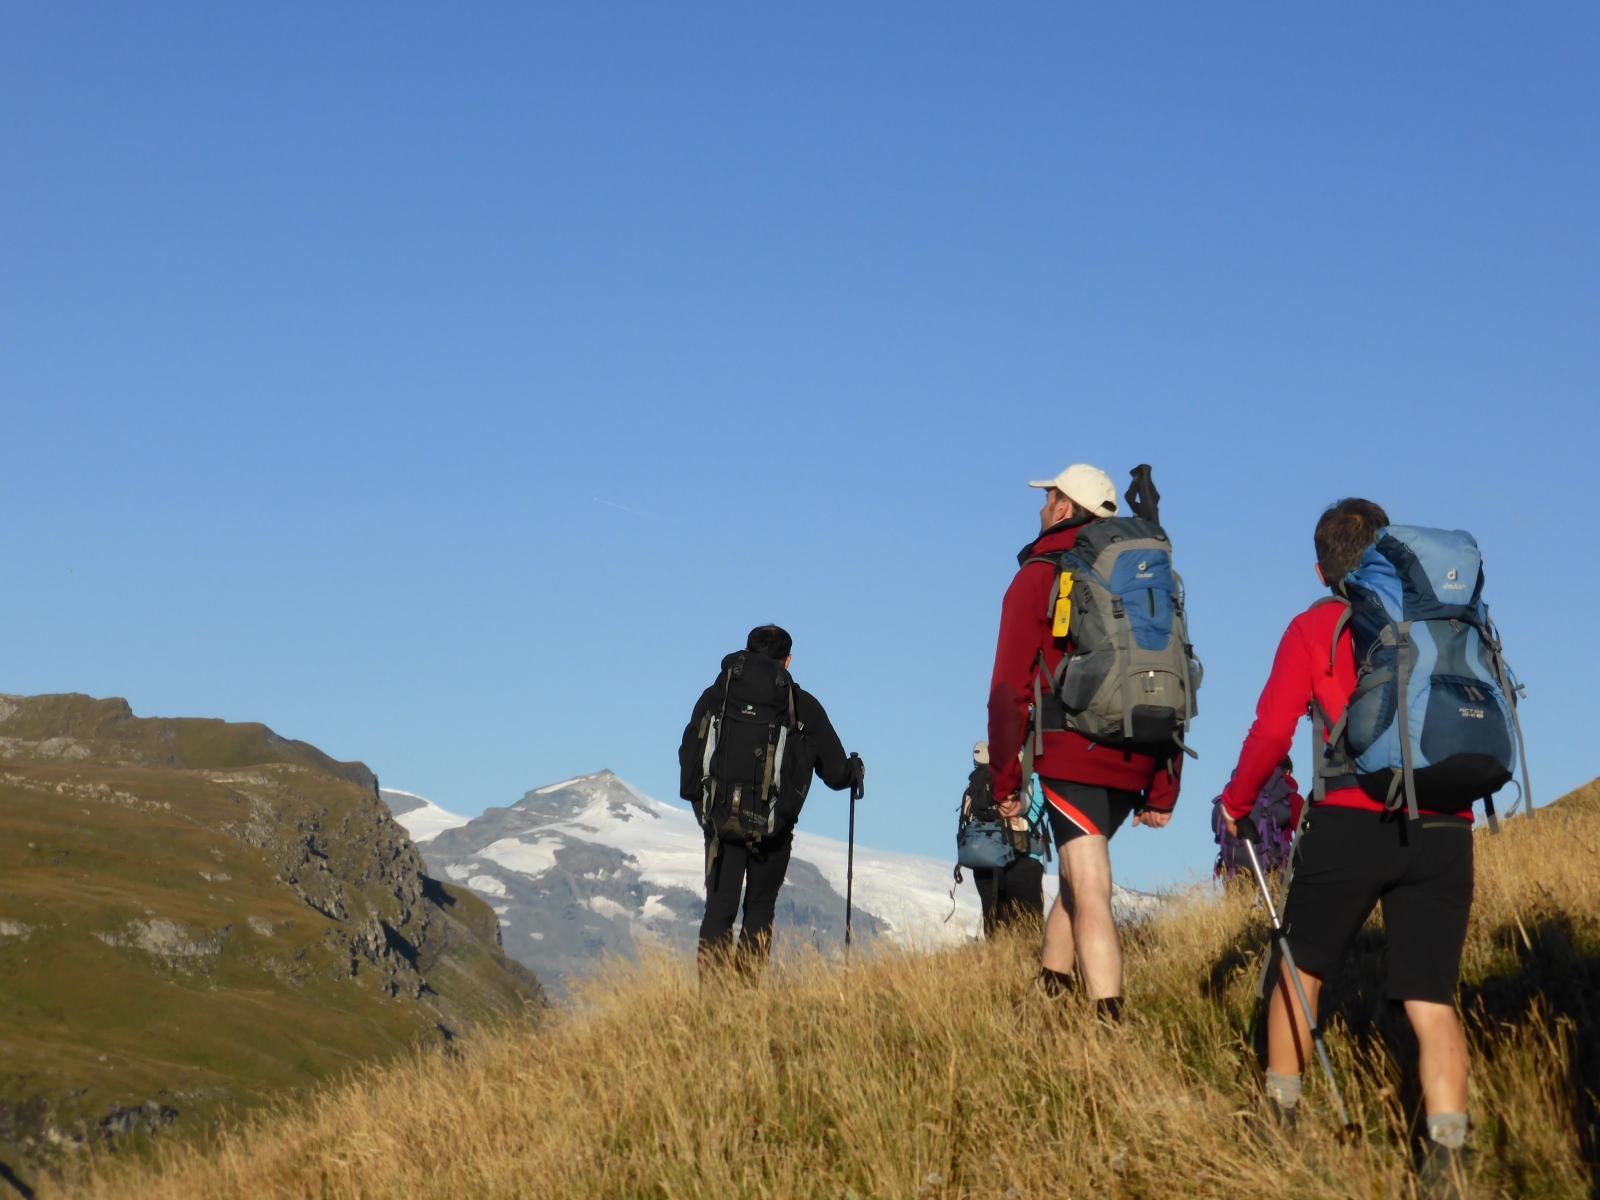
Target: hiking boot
<point>1442,1174</point>
<point>1110,1011</point>
<point>1272,1122</point>
<point>1057,984</point>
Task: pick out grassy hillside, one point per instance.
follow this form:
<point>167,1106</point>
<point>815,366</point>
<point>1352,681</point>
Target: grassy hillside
<point>949,1074</point>
<point>196,915</point>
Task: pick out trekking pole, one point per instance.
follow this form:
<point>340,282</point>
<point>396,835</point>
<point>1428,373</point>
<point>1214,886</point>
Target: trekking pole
<point>1142,497</point>
<point>857,790</point>
<point>1250,836</point>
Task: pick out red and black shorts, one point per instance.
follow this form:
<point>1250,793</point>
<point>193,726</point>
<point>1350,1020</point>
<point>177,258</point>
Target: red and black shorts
<point>1348,861</point>
<point>1084,810</point>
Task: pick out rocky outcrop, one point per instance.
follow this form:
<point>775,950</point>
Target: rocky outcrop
<point>198,914</point>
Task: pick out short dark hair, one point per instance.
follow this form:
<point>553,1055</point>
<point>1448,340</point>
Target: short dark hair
<point>771,640</point>
<point>1344,531</point>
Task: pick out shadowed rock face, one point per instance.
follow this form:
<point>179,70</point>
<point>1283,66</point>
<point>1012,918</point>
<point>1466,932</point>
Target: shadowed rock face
<point>589,868</point>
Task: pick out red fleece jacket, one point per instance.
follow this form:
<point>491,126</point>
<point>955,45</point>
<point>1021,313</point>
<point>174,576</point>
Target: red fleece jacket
<point>1304,668</point>
<point>1024,634</point>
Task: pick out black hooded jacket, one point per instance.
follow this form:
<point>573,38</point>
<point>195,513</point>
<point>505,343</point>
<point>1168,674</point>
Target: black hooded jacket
<point>813,748</point>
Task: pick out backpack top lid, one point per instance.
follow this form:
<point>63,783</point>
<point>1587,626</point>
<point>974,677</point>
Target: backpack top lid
<point>1418,574</point>
<point>1100,535</point>
<point>757,686</point>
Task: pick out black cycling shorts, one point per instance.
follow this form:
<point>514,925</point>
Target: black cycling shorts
<point>1083,810</point>
<point>1350,860</point>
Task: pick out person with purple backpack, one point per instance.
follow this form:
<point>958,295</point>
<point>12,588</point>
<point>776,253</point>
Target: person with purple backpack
<point>1276,816</point>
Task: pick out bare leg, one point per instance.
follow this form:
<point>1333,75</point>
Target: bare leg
<point>1441,1056</point>
<point>1288,1036</point>
<point>1058,948</point>
<point>1086,872</point>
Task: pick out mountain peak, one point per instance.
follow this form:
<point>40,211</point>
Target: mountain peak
<point>602,789</point>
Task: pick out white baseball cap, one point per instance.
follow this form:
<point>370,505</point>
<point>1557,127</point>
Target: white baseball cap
<point>1088,487</point>
<point>980,753</point>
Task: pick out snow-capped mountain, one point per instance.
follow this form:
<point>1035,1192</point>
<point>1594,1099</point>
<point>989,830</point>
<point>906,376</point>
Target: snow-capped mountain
<point>421,818</point>
<point>591,867</point>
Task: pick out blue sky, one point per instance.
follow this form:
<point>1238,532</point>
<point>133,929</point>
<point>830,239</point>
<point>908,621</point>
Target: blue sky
<point>453,390</point>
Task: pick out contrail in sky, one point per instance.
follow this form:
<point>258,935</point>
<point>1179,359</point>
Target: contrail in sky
<point>623,507</point>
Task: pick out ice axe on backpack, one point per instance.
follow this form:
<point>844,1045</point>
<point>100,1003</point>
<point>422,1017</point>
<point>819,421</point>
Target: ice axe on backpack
<point>1250,835</point>
<point>858,788</point>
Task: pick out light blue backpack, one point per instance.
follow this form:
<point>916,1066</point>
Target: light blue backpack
<point>1434,713</point>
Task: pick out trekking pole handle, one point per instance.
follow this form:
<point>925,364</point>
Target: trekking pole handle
<point>858,786</point>
<point>1247,829</point>
<point>1142,497</point>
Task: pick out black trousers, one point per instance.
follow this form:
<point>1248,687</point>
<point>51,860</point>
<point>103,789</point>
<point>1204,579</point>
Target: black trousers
<point>758,878</point>
<point>1010,893</point>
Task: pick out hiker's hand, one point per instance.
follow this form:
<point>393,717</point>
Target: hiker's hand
<point>1230,824</point>
<point>1011,806</point>
<point>858,771</point>
<point>1155,818</point>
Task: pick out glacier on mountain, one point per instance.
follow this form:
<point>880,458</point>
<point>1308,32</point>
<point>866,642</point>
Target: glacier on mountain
<point>590,867</point>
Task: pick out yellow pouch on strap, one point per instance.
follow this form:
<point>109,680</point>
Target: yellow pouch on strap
<point>1063,619</point>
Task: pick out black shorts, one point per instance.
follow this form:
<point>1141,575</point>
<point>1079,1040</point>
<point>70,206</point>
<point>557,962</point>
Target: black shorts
<point>1350,860</point>
<point>1083,810</point>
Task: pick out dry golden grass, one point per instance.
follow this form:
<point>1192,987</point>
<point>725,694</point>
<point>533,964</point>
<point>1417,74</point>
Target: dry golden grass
<point>949,1074</point>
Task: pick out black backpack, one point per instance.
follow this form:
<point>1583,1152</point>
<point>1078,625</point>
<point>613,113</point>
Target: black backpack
<point>743,739</point>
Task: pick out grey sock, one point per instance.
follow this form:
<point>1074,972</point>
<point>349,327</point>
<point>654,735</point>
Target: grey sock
<point>1283,1089</point>
<point>1448,1129</point>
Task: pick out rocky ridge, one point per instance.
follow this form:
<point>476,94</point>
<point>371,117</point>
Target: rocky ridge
<point>199,914</point>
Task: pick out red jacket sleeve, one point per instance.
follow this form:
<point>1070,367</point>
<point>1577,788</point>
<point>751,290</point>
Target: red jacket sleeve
<point>1022,632</point>
<point>1163,793</point>
<point>1283,702</point>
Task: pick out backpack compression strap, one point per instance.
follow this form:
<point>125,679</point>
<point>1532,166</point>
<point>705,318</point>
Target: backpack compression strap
<point>774,769</point>
<point>713,730</point>
<point>708,781</point>
<point>1491,637</point>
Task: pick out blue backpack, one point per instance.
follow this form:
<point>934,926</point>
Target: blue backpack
<point>1433,713</point>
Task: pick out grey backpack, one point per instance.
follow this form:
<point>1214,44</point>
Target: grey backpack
<point>1130,676</point>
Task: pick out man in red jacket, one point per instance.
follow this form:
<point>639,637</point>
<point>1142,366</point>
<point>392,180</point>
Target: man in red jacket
<point>1089,789</point>
<point>1353,855</point>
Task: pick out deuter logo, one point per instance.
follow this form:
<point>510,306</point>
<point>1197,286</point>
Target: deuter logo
<point>1475,714</point>
<point>748,710</point>
<point>1452,585</point>
<point>1145,572</point>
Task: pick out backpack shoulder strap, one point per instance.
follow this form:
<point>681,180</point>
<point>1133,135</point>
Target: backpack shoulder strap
<point>1052,560</point>
<point>1338,626</point>
<point>713,730</point>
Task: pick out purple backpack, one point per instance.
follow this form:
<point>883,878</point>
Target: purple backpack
<point>1274,817</point>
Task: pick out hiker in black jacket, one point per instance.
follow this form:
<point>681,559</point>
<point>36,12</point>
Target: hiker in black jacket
<point>752,717</point>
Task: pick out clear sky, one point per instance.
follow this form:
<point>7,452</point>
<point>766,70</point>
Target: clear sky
<point>452,388</point>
